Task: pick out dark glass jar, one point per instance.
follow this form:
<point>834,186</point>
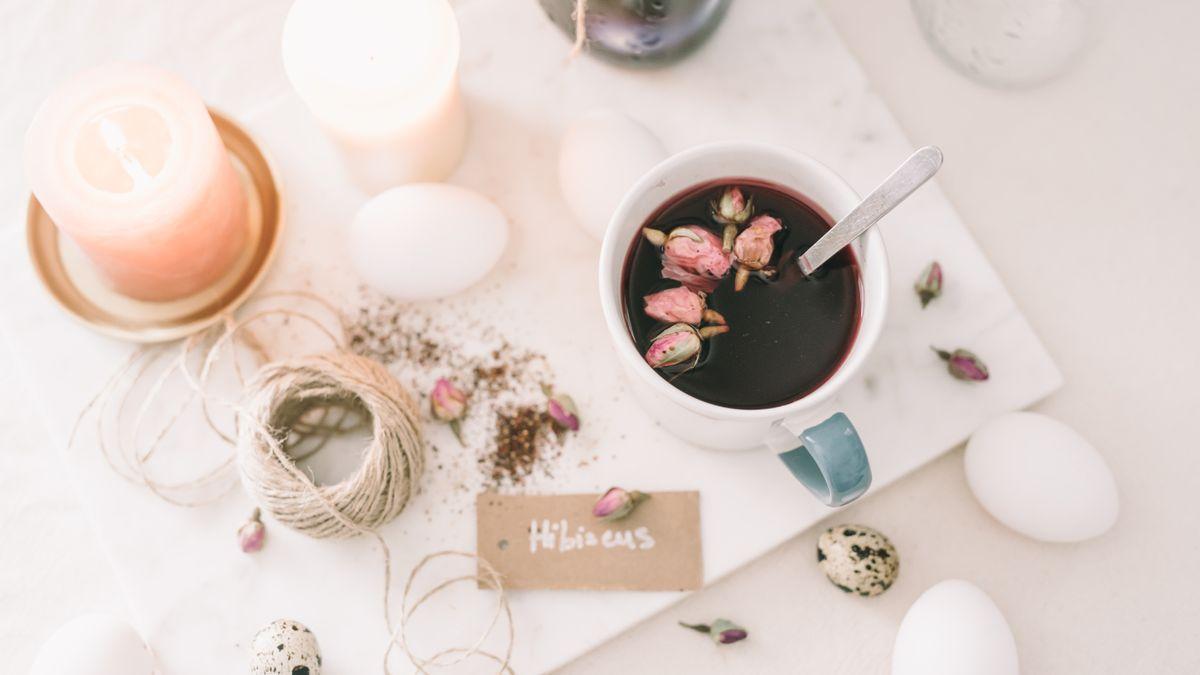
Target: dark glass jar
<point>641,32</point>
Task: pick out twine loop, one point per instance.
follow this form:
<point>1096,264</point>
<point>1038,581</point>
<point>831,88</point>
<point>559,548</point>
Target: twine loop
<point>486,576</point>
<point>579,14</point>
<point>280,397</point>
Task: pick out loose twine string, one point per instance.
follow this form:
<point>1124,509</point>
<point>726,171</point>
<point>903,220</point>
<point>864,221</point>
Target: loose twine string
<point>287,406</point>
<point>580,16</point>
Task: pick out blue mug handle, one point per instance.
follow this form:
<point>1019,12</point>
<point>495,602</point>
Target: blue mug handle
<point>829,459</point>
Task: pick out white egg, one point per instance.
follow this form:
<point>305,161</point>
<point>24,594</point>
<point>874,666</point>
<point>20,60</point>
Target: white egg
<point>1041,478</point>
<point>954,629</point>
<point>602,154</point>
<point>426,240</point>
<point>94,644</point>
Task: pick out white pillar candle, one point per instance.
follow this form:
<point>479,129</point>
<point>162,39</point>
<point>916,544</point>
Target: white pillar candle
<point>382,77</point>
<point>126,161</point>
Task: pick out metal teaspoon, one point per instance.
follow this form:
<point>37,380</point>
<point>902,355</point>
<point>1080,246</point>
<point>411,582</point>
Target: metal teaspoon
<point>909,176</point>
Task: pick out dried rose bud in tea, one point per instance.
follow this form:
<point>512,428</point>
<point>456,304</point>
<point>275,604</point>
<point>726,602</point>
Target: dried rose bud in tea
<point>678,344</point>
<point>692,256</point>
<point>731,210</point>
<point>676,305</point>
<point>681,305</point>
<point>754,247</point>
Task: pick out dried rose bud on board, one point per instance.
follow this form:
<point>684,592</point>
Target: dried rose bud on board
<point>252,534</point>
<point>617,503</point>
<point>448,404</point>
<point>722,631</point>
<point>929,284</point>
<point>562,410</point>
<point>964,365</point>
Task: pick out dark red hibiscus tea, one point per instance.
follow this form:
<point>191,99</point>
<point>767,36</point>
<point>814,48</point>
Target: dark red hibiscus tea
<point>787,334</point>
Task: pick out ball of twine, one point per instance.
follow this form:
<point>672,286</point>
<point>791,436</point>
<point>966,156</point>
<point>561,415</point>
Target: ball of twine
<point>278,398</point>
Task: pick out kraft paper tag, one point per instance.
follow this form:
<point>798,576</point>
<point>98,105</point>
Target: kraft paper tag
<point>554,542</point>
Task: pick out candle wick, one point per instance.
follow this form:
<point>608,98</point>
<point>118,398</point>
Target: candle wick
<point>114,137</point>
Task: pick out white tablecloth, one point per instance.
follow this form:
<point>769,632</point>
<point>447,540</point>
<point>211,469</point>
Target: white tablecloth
<point>1093,170</point>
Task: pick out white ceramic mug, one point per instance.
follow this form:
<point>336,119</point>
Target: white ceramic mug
<point>827,458</point>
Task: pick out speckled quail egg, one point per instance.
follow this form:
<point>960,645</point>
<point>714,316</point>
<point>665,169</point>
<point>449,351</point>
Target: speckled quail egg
<point>858,559</point>
<point>285,647</point>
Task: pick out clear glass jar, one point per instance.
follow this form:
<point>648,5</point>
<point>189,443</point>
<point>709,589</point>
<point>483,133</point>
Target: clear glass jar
<point>1006,43</point>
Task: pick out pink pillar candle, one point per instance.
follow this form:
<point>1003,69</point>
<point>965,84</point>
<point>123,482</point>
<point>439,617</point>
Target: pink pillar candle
<point>127,162</point>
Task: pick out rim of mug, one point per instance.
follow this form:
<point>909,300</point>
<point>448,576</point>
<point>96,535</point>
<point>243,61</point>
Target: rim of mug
<point>870,252</point>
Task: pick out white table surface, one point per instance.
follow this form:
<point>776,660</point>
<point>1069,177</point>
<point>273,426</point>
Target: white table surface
<point>1082,165</point>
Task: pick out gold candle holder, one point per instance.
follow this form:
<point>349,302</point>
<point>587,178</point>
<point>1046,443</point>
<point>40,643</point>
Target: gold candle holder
<point>73,283</point>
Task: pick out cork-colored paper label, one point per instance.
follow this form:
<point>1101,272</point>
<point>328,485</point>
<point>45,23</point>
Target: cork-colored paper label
<point>554,542</point>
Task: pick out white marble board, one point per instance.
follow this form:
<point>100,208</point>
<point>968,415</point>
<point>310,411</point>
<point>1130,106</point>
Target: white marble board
<point>785,79</point>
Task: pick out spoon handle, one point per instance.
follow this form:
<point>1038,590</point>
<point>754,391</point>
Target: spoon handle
<point>909,176</point>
